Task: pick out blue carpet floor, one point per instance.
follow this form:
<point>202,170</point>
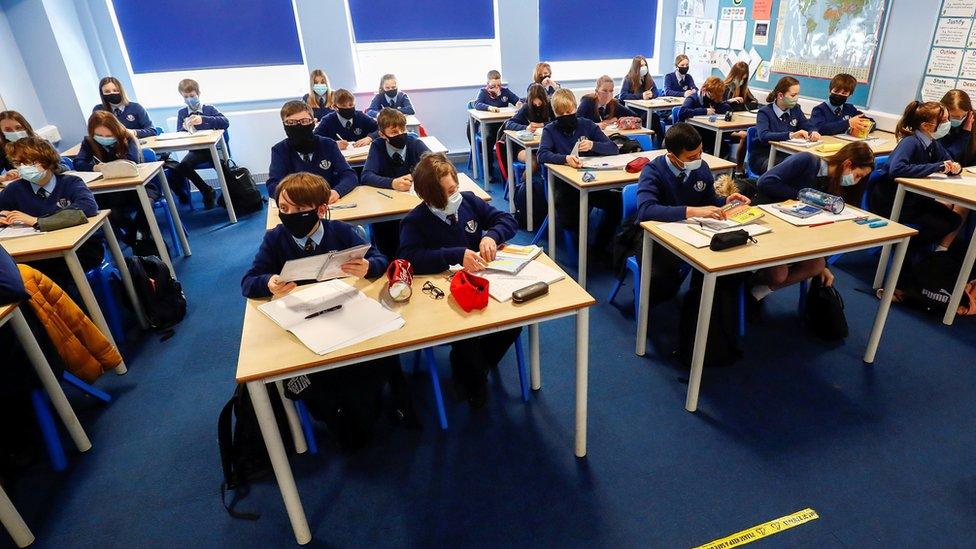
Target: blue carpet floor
<point>884,454</point>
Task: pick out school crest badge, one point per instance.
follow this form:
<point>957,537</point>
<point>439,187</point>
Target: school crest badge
<point>793,122</point>
<point>63,203</point>
<point>130,117</point>
<point>325,164</point>
<point>358,131</point>
<point>699,186</point>
<point>471,226</point>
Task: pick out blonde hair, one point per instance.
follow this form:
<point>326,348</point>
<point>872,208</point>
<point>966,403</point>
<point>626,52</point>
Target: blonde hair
<point>537,75</point>
<point>188,85</point>
<point>312,101</point>
<point>304,189</point>
<point>563,100</point>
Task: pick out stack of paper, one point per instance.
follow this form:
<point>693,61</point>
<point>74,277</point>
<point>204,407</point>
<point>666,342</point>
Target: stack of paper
<point>502,285</point>
<point>16,231</point>
<point>820,218</point>
<point>351,152</point>
<point>700,237</point>
<point>801,142</point>
<point>87,177</point>
<point>358,319</point>
<point>849,137</point>
<point>182,135</point>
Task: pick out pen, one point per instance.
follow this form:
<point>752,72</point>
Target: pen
<point>341,206</point>
<point>820,224</point>
<point>329,310</point>
<point>381,193</point>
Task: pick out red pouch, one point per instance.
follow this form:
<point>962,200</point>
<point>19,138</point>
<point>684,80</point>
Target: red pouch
<point>637,164</point>
<point>470,291</point>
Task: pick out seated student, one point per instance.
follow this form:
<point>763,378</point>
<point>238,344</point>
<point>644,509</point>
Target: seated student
<point>960,142</point>
<point>737,93</point>
<point>132,115</point>
<point>11,284</point>
<point>347,125</point>
<point>388,166</point>
<point>455,228</point>
<point>390,97</point>
<point>780,120</point>
<point>559,137</point>
<point>319,96</point>
<point>919,154</point>
<point>543,76</point>
<point>836,115</point>
<point>198,116</point>
<point>600,106</point>
<point>13,126</point>
<point>679,83</point>
<point>534,114</point>
<point>494,96</point>
<point>638,84</point>
<point>303,151</point>
<point>840,174</point>
<point>48,199</point>
<point>708,101</point>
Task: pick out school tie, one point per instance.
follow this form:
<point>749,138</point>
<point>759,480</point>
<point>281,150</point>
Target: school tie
<point>42,193</point>
<point>349,124</point>
<point>309,245</point>
<point>837,111</point>
<point>397,159</point>
<point>452,219</point>
<point>603,113</point>
<point>681,177</point>
<point>118,113</point>
<point>785,117</point>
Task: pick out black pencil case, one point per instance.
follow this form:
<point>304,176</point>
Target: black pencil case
<point>730,239</point>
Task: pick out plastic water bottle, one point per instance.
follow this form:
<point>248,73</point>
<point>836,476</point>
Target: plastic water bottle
<point>832,203</point>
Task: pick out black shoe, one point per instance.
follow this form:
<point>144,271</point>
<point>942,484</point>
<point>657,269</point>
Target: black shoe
<point>209,197</point>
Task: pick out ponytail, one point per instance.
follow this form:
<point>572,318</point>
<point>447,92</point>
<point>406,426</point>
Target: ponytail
<point>917,113</point>
<point>782,86</point>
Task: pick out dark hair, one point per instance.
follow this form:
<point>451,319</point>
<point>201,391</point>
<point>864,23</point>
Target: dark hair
<point>19,118</point>
<point>342,95</point>
<point>916,114</point>
<point>843,82</point>
<point>544,111</point>
<point>494,75</point>
<point>118,84</point>
<point>304,189</point>
<point>682,137</point>
<point>739,70</point>
<point>782,86</point>
<point>108,120</point>
<point>860,155</point>
<point>953,99</point>
<point>427,175</point>
<point>639,84</point>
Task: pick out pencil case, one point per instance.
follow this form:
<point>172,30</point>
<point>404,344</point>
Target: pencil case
<point>830,147</point>
<point>730,239</point>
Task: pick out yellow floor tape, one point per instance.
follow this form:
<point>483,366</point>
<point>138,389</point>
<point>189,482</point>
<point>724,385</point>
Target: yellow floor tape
<point>756,533</point>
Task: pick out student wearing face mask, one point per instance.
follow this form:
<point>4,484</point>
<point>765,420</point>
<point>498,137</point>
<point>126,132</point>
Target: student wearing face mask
<point>319,96</point>
<point>841,174</point>
<point>780,120</point>
<point>638,84</point>
<point>737,93</point>
<point>919,154</point>
<point>455,228</point>
<point>960,142</point>
<point>13,127</point>
<point>494,96</point>
<point>389,96</point>
<point>836,115</point>
<point>131,114</point>
<point>600,106</point>
<point>706,102</point>
<point>303,151</point>
<point>346,125</point>
<point>679,83</point>
<point>534,114</point>
<point>543,76</point>
<point>197,116</point>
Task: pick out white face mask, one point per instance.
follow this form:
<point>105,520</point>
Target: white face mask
<point>14,136</point>
<point>693,165</point>
<point>942,130</point>
<point>847,180</point>
<point>453,203</point>
<point>643,70</point>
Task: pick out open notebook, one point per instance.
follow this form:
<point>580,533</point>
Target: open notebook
<point>353,152</point>
<point>182,135</point>
<point>14,231</point>
<point>322,266</point>
<point>501,285</point>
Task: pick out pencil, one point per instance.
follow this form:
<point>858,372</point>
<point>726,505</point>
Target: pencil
<point>381,193</point>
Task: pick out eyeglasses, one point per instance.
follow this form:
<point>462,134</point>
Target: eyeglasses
<point>302,122</point>
<point>433,291</point>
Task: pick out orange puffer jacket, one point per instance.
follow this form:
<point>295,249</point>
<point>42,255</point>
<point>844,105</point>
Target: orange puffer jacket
<point>85,352</point>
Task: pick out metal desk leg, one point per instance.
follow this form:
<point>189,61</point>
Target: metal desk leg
<point>772,158</point>
<point>886,249</point>
<point>647,251</point>
<point>294,424</point>
<point>885,305</point>
<point>529,198</point>
<point>552,215</point>
<point>511,174</point>
<point>584,217</point>
<point>701,339</point>
<point>13,522</point>
<point>582,367</point>
<point>215,158</point>
<point>474,157</point>
<point>154,228</point>
<point>536,371</point>
<point>130,289</point>
<point>718,143</point>
<point>279,460</point>
<point>967,267</point>
<point>174,212</point>
<point>484,155</point>
<point>91,304</point>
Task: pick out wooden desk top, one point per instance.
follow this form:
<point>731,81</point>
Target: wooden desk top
<point>619,177</point>
<point>784,242</point>
<point>267,350</point>
<point>196,141</point>
<point>656,103</point>
<point>884,145</point>
<point>147,171</point>
<point>54,241</point>
<point>537,138</point>
<point>488,116</point>
<point>432,143</point>
<point>956,189</point>
<point>739,122</point>
<point>5,311</point>
<point>370,204</point>
<point>412,120</point>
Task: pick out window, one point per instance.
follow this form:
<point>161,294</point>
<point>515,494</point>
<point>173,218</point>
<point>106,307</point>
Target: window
<point>373,20</point>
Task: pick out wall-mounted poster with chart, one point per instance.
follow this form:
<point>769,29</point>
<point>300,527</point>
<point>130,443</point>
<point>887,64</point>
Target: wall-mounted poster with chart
<point>952,57</point>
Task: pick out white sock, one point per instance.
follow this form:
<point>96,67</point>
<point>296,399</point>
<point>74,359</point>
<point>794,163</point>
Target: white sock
<point>941,248</point>
<point>760,291</point>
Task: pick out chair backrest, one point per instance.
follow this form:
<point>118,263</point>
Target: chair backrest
<point>630,200</point>
<point>67,162</point>
<point>471,104</point>
<point>159,130</point>
<point>751,135</point>
<point>149,155</point>
<point>644,141</point>
<point>675,113</point>
<point>502,167</point>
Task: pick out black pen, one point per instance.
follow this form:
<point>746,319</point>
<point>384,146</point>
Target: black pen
<point>329,310</point>
<point>381,193</point>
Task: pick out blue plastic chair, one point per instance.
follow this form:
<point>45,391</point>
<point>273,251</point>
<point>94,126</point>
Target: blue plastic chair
<point>751,135</point>
<point>100,278</point>
<point>517,166</point>
<point>49,430</point>
<point>149,155</point>
<point>675,115</point>
<point>67,162</point>
<point>644,141</point>
<point>630,206</point>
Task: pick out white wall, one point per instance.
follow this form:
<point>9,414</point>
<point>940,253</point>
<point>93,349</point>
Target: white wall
<point>16,88</point>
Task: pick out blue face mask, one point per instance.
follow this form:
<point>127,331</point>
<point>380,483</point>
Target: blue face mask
<point>942,130</point>
<point>847,180</point>
<point>956,122</point>
<point>31,173</point>
<point>193,102</point>
<point>14,136</point>
<point>320,89</point>
<point>105,141</point>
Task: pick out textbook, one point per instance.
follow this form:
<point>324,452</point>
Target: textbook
<point>502,285</point>
<point>736,215</point>
<point>512,258</point>
<point>323,266</point>
<point>182,135</point>
<point>331,315</point>
<point>87,177</point>
<point>351,152</point>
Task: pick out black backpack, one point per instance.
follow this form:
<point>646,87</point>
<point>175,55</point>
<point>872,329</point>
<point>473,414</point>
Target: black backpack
<point>625,144</point>
<point>723,348</point>
<point>824,311</point>
<point>243,191</point>
<point>539,203</point>
<point>160,295</point>
<point>243,455</point>
<point>931,281</point>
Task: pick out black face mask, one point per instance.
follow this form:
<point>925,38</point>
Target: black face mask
<point>112,98</point>
<point>391,93</point>
<point>538,114</point>
<point>682,70</point>
<point>299,224</point>
<point>567,123</point>
<point>397,141</point>
<point>348,114</point>
<point>837,100</point>
<point>301,138</point>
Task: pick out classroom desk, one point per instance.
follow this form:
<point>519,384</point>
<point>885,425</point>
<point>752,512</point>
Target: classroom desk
<point>432,143</point>
<point>740,121</point>
<point>269,354</point>
<point>784,245</point>
<point>9,517</point>
<point>203,139</point>
<point>957,190</point>
<point>605,179</point>
<point>485,118</point>
<point>884,144</point>
<point>511,136</point>
<point>649,106</point>
<point>147,172</point>
<point>373,207</point>
<point>413,123</point>
<point>64,243</point>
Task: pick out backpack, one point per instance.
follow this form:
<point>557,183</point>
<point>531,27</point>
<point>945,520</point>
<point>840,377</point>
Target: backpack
<point>539,202</point>
<point>824,311</point>
<point>931,281</point>
<point>160,295</point>
<point>723,347</point>
<point>625,144</point>
<point>243,455</point>
<point>243,191</point>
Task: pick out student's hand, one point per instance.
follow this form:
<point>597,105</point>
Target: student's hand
<point>533,126</point>
<point>278,287</point>
<point>814,136</point>
<point>585,145</point>
<point>713,212</point>
<point>826,278</point>
<point>10,175</point>
<point>473,262</point>
<point>690,92</point>
<point>195,120</point>
<point>403,183</point>
<point>709,111</point>
<point>855,122</point>
<point>736,197</point>
<point>648,94</point>
<point>363,142</point>
<point>967,123</point>
<point>951,167</point>
<point>488,248</point>
<point>14,216</point>
<point>736,100</point>
<point>604,123</point>
<point>546,82</point>
<point>343,144</point>
<point>518,104</point>
<point>357,268</point>
<point>802,134</point>
<point>333,196</point>
<point>574,162</point>
<point>493,109</point>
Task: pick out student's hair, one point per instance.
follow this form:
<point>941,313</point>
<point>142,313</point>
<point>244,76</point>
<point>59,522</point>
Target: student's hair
<point>916,114</point>
<point>108,120</point>
<point>860,155</point>
<point>544,111</point>
<point>681,137</point>
<point>34,150</point>
<point>713,85</point>
<point>638,83</point>
<point>680,58</point>
<point>739,70</point>
<point>111,80</point>
<point>304,189</point>
<point>188,85</point>
<point>843,82</point>
<point>19,118</point>
<point>312,101</point>
<point>953,99</point>
<point>343,96</point>
<point>494,75</point>
<point>612,105</point>
<point>783,86</point>
<point>387,76</point>
<point>537,75</point>
<point>563,100</point>
<point>295,106</point>
<point>427,175</point>
<point>390,118</point>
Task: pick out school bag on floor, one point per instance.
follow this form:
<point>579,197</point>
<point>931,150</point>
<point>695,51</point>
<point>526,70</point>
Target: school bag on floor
<point>824,311</point>
<point>244,193</point>
<point>931,280</point>
<point>160,295</point>
<point>625,144</point>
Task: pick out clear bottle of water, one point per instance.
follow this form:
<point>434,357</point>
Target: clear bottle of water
<point>831,203</point>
